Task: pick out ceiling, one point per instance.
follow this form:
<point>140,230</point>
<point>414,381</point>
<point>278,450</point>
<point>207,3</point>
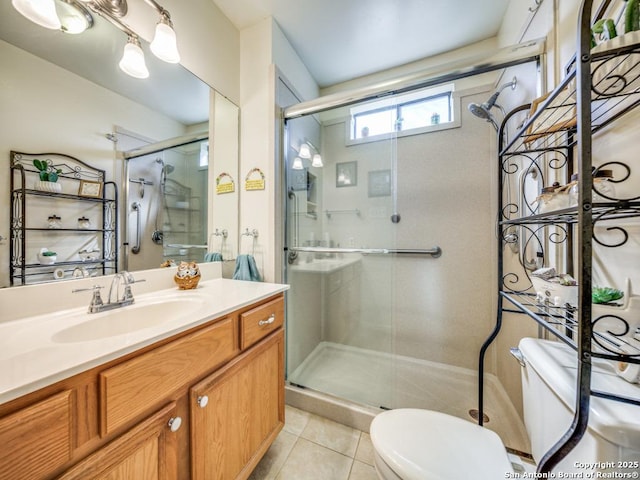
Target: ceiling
<point>339,40</point>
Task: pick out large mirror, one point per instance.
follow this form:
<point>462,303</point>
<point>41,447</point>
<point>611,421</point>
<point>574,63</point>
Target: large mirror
<point>65,93</point>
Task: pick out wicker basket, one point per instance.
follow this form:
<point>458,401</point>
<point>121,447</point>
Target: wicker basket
<point>187,283</point>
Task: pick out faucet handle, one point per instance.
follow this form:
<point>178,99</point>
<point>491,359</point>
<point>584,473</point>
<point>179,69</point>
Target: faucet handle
<point>96,300</point>
<point>94,288</point>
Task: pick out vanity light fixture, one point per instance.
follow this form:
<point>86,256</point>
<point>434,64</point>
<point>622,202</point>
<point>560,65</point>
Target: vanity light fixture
<point>74,17</point>
<point>297,164</point>
<point>317,161</point>
<point>71,16</point>
<point>164,45</point>
<point>305,151</point>
<point>132,62</point>
<point>42,12</point>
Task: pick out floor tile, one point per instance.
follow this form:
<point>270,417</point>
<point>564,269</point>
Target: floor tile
<point>362,471</point>
<point>275,457</point>
<point>309,461</point>
<point>332,435</point>
<point>295,420</point>
<point>364,453</point>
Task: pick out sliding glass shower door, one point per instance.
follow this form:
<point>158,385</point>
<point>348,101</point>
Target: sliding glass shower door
<point>341,211</point>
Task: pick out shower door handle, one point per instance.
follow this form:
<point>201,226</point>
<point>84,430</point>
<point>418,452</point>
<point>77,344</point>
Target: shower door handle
<point>136,207</point>
<point>434,252</point>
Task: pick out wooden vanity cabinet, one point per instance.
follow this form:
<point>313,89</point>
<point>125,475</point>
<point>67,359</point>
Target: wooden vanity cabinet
<point>112,422</point>
<point>237,412</point>
<point>38,439</point>
<point>146,452</point>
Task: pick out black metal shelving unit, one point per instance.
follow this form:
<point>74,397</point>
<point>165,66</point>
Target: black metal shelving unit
<point>555,140</point>
<point>72,172</point>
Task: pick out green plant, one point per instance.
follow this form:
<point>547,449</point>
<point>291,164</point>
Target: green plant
<point>47,172</point>
<point>632,16</point>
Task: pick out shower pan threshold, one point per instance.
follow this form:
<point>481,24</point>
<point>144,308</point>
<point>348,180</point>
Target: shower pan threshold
<point>351,385</point>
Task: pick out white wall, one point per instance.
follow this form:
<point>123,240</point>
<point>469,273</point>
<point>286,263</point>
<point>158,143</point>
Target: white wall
<point>264,52</point>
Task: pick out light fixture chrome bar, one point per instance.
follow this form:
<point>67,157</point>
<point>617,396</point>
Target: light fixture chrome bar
<point>435,252</point>
<point>503,58</point>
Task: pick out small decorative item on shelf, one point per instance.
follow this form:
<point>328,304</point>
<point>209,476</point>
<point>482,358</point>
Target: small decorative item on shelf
<point>603,186</point>
<point>90,189</point>
<point>47,257</point>
<point>555,197</point>
<point>54,221</point>
<point>48,177</point>
<point>605,295</point>
<point>87,255</point>
<point>168,263</point>
<point>84,223</point>
<point>435,118</point>
<point>554,289</point>
<point>187,276</point>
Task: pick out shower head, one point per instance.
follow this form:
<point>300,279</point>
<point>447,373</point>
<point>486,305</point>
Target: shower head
<point>480,111</point>
<point>168,168</point>
<point>483,110</point>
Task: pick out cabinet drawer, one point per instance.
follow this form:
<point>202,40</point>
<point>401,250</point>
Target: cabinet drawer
<point>36,440</point>
<point>145,382</point>
<point>258,322</point>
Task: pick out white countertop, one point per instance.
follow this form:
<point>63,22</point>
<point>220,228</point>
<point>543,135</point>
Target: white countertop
<point>41,350</point>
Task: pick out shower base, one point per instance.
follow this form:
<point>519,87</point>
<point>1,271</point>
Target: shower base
<point>387,381</point>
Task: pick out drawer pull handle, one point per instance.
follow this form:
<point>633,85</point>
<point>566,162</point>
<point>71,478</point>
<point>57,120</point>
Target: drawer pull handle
<point>268,321</point>
<point>175,423</point>
<point>202,401</point>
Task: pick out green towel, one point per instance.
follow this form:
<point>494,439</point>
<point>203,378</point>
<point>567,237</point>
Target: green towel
<point>212,257</point>
<point>246,269</point>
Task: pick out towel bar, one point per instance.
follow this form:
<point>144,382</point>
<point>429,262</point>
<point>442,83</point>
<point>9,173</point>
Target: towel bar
<point>435,252</point>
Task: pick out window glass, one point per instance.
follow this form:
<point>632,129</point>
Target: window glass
<point>415,110</point>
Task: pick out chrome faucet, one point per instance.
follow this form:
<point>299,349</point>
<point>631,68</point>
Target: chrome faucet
<point>97,305</point>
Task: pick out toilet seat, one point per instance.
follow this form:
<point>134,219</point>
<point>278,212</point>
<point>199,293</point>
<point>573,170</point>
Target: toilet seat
<point>425,445</point>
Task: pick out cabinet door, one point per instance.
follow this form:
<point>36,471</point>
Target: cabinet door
<point>237,412</point>
<point>146,452</point>
<point>37,440</point>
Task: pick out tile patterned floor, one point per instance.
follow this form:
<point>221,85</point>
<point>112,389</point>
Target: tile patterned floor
<point>311,447</point>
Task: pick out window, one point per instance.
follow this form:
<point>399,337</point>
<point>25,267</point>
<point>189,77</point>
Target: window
<point>204,155</point>
<point>415,112</point>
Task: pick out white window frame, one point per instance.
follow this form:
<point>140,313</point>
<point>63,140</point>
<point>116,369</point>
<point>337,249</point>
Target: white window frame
<point>403,99</point>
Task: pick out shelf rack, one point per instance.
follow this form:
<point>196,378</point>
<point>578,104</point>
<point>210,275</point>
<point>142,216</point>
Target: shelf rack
<point>23,199</point>
<point>554,140</point>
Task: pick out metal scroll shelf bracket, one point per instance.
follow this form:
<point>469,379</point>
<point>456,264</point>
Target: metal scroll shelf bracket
<point>434,252</point>
<point>328,213</point>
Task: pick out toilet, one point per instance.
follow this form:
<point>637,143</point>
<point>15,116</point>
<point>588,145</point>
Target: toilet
<point>415,444</point>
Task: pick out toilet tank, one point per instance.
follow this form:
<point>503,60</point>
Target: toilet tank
<point>612,440</point>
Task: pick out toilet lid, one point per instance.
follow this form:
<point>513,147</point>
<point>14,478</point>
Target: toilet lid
<point>422,444</point>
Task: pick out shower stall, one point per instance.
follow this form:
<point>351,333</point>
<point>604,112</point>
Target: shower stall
<point>390,216</point>
<point>166,207</point>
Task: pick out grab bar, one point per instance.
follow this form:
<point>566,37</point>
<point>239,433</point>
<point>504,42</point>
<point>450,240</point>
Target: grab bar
<point>435,252</point>
<point>136,207</point>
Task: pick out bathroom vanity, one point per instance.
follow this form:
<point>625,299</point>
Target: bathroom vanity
<point>197,394</point>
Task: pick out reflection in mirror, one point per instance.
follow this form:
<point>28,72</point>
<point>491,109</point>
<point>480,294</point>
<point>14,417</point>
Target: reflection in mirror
<point>65,93</point>
<point>166,208</point>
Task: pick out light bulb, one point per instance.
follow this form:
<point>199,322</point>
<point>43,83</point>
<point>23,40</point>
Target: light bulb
<point>132,62</point>
<point>74,17</point>
<point>42,12</point>
<point>304,152</point>
<point>164,44</point>
<point>297,164</point>
<point>317,161</point>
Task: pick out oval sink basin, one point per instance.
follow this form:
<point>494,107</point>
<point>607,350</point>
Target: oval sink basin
<point>122,321</point>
